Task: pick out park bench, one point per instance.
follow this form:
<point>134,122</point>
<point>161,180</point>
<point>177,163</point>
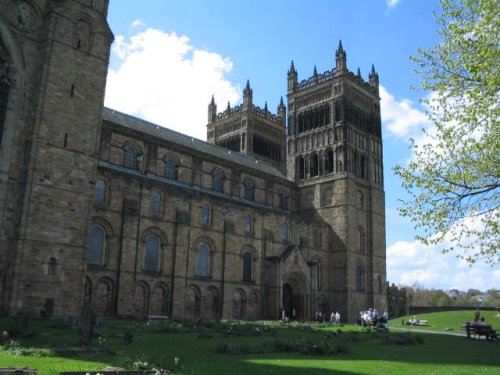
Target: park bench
<point>478,331</point>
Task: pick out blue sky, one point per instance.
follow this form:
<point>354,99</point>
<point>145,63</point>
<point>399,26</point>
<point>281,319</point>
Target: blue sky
<point>170,57</point>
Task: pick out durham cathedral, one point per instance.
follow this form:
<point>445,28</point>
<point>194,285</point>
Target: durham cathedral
<point>276,215</point>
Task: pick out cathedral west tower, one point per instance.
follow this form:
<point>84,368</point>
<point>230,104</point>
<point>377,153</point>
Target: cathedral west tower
<point>335,158</point>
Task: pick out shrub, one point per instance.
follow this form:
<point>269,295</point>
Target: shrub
<point>16,349</point>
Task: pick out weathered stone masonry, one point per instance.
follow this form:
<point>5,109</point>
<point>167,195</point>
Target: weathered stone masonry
<point>276,215</point>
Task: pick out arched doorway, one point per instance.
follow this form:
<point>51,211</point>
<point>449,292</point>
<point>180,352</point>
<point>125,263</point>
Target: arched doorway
<point>293,302</point>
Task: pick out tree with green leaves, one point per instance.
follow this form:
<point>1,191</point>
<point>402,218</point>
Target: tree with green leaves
<point>453,177</point>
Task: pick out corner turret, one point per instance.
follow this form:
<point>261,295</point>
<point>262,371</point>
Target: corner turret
<point>340,59</point>
<point>212,111</point>
<point>292,77</point>
<point>282,112</point>
<point>247,96</point>
<point>373,79</point>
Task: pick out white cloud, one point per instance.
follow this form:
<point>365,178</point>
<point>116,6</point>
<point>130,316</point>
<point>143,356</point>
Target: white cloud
<point>137,23</point>
<point>165,80</point>
<point>392,3</point>
<point>412,262</point>
<point>400,117</point>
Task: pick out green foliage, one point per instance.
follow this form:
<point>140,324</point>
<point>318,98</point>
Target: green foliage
<point>302,346</point>
<point>16,349</point>
<point>454,176</point>
<point>400,339</point>
<point>292,350</point>
<point>143,362</point>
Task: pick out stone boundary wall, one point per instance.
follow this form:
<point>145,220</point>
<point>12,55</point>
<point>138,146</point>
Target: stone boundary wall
<point>429,309</point>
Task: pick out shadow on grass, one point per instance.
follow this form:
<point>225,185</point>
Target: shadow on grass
<point>199,356</point>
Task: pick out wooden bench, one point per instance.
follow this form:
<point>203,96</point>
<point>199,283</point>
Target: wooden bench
<point>418,322</point>
<point>477,331</point>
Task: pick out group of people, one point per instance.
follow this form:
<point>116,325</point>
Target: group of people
<point>371,317</point>
<point>480,324</point>
<point>321,317</point>
<point>335,317</point>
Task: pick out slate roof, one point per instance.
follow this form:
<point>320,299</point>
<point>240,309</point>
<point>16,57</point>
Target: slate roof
<point>195,145</point>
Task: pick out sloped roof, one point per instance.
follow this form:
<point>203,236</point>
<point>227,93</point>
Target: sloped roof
<point>195,145</point>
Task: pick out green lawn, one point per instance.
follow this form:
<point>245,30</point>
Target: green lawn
<point>272,349</point>
<point>449,321</point>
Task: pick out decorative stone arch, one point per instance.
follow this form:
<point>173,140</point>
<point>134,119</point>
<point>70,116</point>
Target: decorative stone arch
<point>83,37</point>
<point>360,277</point>
<point>361,234</point>
<point>248,256</point>
<point>295,289</point>
<point>254,305</point>
<point>315,269</point>
<point>211,247</point>
<point>283,199</point>
<point>211,304</point>
<point>300,168</point>
<point>171,170</point>
<point>163,246</point>
<point>314,165</point>
<point>107,228</point>
<point>238,304</point>
<point>141,299</point>
<point>248,187</point>
<point>104,297</point>
<point>102,191</point>
<point>156,202</point>
<point>218,177</point>
<point>205,213</point>
<point>192,302</point>
<point>51,265</point>
<point>329,161</point>
<point>160,299</point>
<point>131,160</point>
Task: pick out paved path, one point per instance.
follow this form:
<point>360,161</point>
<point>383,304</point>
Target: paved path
<point>429,331</point>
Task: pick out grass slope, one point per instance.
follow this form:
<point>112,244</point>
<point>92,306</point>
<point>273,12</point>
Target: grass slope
<point>449,321</point>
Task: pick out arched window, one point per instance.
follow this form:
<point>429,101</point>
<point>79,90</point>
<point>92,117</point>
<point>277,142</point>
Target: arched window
<point>97,239</point>
<point>283,201</point>
<point>52,266</point>
<point>170,169</point>
<point>82,35</point>
<point>314,166</point>
<point>362,240</point>
<point>300,168</point>
<point>217,183</point>
<point>247,266</point>
<point>156,203</point>
<point>130,158</point>
<point>360,278</point>
<point>248,223</point>
<point>284,232</point>
<point>202,260</point>
<point>249,190</point>
<point>100,191</point>
<point>152,253</point>
<point>205,214</point>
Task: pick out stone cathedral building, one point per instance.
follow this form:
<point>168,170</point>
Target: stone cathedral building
<point>276,215</point>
